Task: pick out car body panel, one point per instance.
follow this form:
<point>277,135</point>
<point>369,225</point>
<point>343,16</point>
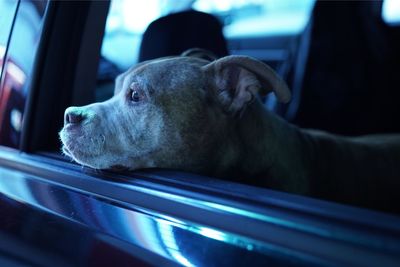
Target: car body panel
<point>154,220</point>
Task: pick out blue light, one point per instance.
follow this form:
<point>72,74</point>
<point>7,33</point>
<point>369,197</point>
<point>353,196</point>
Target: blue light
<point>168,238</point>
<point>391,12</point>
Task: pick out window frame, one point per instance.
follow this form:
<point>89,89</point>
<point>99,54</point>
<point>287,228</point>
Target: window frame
<point>70,27</point>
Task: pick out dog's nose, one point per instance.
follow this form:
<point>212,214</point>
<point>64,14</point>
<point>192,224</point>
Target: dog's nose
<point>73,117</point>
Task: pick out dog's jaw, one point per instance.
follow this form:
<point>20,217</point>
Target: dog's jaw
<point>83,149</point>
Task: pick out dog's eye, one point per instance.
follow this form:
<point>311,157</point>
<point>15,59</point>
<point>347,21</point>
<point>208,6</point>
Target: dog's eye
<point>135,96</point>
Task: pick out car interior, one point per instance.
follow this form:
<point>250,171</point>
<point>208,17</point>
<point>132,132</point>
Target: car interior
<point>340,59</point>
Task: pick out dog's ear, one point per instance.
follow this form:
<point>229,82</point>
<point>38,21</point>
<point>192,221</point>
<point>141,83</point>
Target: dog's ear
<point>199,53</point>
<point>236,80</point>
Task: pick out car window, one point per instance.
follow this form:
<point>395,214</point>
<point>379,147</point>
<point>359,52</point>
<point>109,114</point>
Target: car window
<point>18,62</point>
<point>127,20</point>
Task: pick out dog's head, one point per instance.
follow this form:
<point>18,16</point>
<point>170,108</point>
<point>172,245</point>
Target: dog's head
<point>170,113</point>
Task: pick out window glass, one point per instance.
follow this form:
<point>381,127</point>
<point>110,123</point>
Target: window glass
<point>7,13</point>
<point>17,69</point>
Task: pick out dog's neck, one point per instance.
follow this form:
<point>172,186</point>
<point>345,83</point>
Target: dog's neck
<point>268,150</point>
<point>282,156</point>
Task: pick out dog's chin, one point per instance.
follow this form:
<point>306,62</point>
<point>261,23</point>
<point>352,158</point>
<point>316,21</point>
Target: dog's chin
<point>66,151</point>
<point>91,161</point>
<point>99,159</point>
<point>89,154</point>
<point>80,157</point>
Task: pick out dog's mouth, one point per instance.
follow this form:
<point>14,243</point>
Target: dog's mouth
<point>70,145</point>
<point>81,146</point>
<point>74,151</point>
<point>118,168</point>
<point>77,153</point>
<point>73,129</point>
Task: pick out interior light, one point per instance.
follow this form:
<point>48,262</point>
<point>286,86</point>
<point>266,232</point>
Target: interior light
<point>391,12</point>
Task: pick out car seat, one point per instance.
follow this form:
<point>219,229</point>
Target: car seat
<point>346,76</point>
<point>177,32</point>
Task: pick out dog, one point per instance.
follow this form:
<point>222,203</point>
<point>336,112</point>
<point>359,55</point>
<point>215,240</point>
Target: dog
<point>192,114</point>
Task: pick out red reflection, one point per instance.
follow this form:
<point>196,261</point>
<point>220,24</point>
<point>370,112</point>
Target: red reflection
<point>12,101</point>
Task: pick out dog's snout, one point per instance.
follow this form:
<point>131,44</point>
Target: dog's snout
<point>71,117</point>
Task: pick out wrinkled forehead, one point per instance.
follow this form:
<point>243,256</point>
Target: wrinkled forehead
<point>159,74</point>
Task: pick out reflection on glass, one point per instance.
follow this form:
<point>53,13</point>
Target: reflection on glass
<point>7,13</point>
<point>18,66</point>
